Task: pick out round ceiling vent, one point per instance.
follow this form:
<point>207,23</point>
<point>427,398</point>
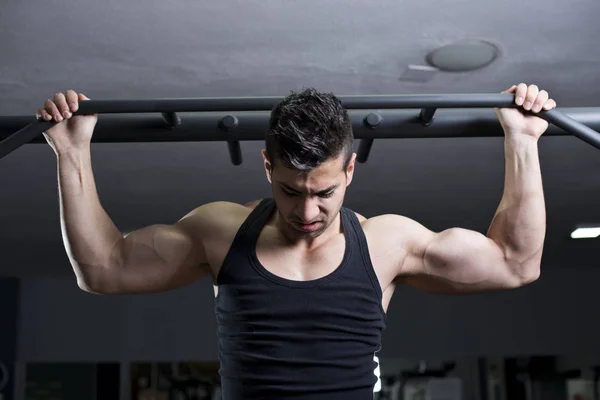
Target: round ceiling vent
<point>463,56</point>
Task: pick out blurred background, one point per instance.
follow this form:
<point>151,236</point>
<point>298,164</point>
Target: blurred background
<point>57,342</point>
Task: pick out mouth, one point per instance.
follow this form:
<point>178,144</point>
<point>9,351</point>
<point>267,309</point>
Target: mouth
<point>308,227</point>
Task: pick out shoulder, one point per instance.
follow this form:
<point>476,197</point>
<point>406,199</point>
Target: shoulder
<point>394,228</point>
<point>396,236</point>
<point>252,205</point>
<point>216,218</point>
<point>394,225</point>
<point>361,219</point>
<point>399,229</point>
<point>213,227</point>
<point>221,211</point>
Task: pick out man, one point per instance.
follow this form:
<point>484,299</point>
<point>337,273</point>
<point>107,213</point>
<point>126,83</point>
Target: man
<point>302,284</point>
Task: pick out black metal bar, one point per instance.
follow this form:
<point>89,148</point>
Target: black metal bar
<point>427,115</point>
<point>235,152</point>
<point>172,119</point>
<point>267,103</point>
<point>582,131</point>
<point>227,124</point>
<point>364,149</point>
<point>22,136</point>
<point>204,127</point>
<point>372,120</point>
<point>253,123</point>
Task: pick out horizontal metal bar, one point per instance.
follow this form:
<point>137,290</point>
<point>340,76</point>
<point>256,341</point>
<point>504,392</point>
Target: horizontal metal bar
<point>267,103</point>
<point>256,124</point>
<point>252,125</point>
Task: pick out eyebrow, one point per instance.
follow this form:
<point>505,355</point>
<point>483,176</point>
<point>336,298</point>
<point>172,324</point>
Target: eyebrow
<point>329,189</point>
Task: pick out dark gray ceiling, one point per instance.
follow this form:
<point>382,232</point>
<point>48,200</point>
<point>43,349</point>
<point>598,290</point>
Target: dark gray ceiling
<point>140,49</point>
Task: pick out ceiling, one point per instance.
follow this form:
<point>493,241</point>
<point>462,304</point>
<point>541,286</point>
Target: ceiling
<point>153,49</point>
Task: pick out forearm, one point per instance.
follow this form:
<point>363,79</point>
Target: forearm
<point>519,225</point>
<point>89,235</point>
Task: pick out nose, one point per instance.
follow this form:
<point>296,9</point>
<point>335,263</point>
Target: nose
<point>308,210</point>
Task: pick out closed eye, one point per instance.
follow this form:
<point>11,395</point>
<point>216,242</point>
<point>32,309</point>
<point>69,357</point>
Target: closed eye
<point>325,194</point>
<point>289,193</point>
<point>322,195</point>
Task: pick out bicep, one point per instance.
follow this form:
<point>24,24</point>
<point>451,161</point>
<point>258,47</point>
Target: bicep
<point>157,258</point>
<point>164,257</point>
<point>456,261</point>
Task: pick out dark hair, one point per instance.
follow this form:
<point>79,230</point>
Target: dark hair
<point>307,129</point>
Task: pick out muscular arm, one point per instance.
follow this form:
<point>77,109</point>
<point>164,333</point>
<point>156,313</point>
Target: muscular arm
<point>459,260</point>
<point>153,259</point>
<point>156,258</point>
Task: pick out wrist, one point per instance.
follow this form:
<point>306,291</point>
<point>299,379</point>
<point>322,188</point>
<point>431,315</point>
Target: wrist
<point>520,139</point>
<point>72,155</point>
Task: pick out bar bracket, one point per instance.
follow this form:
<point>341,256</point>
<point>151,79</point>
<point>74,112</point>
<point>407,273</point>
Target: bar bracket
<point>372,120</point>
<point>227,124</point>
<point>427,116</point>
<point>172,120</point>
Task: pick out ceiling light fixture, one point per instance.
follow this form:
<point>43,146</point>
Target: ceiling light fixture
<point>463,56</point>
<point>586,233</point>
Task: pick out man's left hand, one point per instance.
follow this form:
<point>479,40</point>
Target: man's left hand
<point>515,121</point>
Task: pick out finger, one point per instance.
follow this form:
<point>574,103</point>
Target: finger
<point>550,104</point>
<point>61,104</point>
<point>539,102</point>
<point>72,100</point>
<point>521,93</point>
<point>532,93</point>
<point>42,114</point>
<point>512,89</point>
<point>53,110</point>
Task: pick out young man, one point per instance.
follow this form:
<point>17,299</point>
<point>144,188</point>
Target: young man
<point>302,284</point>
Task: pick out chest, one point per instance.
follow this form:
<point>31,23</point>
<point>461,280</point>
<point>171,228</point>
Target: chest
<point>298,264</point>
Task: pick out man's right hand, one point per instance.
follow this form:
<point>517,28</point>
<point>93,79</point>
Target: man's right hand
<point>70,133</point>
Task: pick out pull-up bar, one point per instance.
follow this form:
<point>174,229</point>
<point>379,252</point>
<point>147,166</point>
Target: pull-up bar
<point>246,118</point>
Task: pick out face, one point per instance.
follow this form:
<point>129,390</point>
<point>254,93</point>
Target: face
<point>309,202</point>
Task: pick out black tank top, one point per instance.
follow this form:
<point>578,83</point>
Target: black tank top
<point>285,339</point>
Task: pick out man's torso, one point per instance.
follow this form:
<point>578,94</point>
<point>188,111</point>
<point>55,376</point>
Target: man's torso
<point>298,320</point>
<point>288,263</point>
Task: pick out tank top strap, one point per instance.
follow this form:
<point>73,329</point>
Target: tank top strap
<point>245,235</point>
<point>259,218</point>
<point>359,239</point>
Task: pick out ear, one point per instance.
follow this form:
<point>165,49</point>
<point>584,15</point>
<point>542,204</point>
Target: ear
<point>350,169</point>
<point>268,166</point>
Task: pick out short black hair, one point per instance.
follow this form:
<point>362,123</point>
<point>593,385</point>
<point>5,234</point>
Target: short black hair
<point>307,129</point>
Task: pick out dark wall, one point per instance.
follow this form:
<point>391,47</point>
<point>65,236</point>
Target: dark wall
<point>556,315</point>
<point>9,314</point>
